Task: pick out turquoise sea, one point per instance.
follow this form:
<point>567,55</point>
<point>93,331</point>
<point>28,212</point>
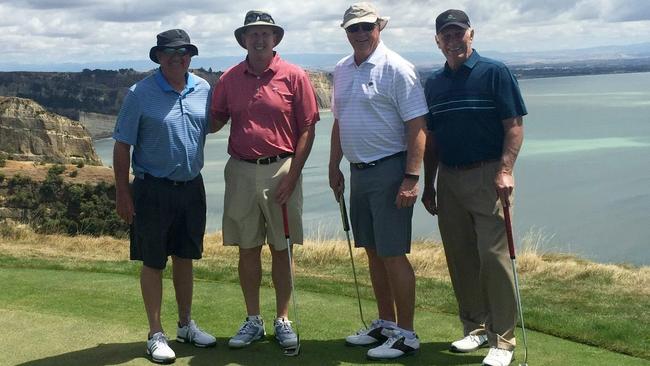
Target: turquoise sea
<point>583,176</point>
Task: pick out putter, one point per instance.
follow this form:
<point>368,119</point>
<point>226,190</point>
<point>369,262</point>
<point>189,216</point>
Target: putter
<point>291,351</point>
<point>346,228</point>
<point>511,248</point>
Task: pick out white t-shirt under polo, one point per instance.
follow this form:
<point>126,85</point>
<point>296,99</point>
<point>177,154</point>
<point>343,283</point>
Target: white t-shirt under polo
<point>372,101</point>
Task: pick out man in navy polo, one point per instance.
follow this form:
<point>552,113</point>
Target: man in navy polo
<point>163,118</point>
<point>475,134</point>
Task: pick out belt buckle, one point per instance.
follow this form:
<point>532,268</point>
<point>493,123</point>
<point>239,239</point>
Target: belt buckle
<point>261,161</point>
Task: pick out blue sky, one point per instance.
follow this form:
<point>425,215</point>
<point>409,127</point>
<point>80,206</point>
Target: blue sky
<point>59,31</point>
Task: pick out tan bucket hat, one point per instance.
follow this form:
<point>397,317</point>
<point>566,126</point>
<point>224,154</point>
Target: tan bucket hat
<point>363,13</point>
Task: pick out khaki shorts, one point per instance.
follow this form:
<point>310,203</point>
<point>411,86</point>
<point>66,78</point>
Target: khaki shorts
<point>251,216</point>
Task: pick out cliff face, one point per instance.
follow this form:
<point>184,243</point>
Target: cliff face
<point>322,82</point>
<point>29,132</point>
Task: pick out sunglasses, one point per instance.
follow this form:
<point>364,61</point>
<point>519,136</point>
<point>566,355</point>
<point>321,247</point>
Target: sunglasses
<point>254,17</point>
<point>366,27</point>
<point>170,51</point>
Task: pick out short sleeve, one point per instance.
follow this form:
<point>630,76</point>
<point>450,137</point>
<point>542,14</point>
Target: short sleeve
<point>219,100</point>
<point>409,94</point>
<point>510,103</point>
<point>128,120</point>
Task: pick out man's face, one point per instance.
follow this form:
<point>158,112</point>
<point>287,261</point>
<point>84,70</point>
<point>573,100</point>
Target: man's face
<point>259,39</point>
<point>174,60</point>
<point>364,38</point>
<point>455,43</point>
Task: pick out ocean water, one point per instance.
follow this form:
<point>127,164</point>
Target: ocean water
<point>582,178</point>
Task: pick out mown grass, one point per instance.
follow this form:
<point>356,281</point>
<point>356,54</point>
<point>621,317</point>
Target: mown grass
<point>82,318</point>
<point>595,304</point>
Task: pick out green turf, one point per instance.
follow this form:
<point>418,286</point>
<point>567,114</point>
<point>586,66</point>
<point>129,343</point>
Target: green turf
<point>58,317</point>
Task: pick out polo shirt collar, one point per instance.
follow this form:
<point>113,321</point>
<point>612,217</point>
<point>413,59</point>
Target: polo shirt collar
<point>273,66</point>
<point>374,58</point>
<point>469,63</point>
<point>190,82</point>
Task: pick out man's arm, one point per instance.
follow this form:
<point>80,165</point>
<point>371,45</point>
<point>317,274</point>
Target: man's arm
<point>336,178</point>
<point>408,190</point>
<point>121,164</point>
<point>215,123</point>
<point>514,137</point>
<point>303,148</point>
<point>430,172</point>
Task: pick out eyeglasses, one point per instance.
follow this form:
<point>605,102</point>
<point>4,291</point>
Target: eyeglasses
<point>170,51</point>
<point>262,17</point>
<point>366,27</point>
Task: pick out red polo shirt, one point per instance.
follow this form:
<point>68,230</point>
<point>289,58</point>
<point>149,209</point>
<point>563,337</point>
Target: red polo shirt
<point>267,112</point>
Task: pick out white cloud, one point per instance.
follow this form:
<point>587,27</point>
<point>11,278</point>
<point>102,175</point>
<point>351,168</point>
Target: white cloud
<point>49,31</point>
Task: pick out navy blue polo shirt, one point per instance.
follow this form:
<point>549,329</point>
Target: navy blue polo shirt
<point>467,106</point>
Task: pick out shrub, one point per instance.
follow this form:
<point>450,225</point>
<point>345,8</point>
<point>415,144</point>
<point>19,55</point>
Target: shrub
<point>80,164</point>
<point>73,173</point>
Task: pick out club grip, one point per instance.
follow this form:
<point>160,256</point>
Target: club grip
<point>511,241</point>
<point>344,213</point>
<point>285,221</point>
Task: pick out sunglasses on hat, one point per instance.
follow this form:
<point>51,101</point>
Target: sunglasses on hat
<point>262,17</point>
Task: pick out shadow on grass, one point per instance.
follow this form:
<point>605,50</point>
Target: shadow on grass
<point>313,352</point>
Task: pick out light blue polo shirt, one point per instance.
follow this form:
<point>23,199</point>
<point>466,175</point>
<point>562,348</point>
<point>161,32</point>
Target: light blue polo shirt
<point>167,129</point>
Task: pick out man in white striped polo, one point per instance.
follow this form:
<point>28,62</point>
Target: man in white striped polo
<point>378,105</point>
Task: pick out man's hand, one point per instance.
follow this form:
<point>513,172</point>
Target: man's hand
<point>285,189</point>
<point>429,199</point>
<point>337,182</point>
<point>407,194</point>
<point>124,206</point>
<point>505,184</point>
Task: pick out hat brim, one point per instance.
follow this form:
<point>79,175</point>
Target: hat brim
<point>240,31</point>
<point>459,24</point>
<point>383,21</point>
<point>152,52</point>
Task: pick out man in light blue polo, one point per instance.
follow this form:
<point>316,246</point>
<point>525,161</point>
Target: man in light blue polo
<point>163,118</point>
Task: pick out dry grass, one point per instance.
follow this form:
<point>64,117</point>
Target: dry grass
<point>316,256</point>
<point>38,172</point>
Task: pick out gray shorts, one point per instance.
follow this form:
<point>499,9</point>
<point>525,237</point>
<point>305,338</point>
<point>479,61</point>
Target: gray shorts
<point>376,222</point>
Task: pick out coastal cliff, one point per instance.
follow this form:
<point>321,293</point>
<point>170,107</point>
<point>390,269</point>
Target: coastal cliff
<point>29,132</point>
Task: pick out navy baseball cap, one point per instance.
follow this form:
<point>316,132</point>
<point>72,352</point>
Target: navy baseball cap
<point>452,17</point>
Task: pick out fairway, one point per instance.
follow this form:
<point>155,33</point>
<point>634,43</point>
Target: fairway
<point>52,317</point>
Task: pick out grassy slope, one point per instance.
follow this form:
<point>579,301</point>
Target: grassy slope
<point>84,318</point>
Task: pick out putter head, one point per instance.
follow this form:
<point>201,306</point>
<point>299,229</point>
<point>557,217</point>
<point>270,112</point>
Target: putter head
<point>292,351</point>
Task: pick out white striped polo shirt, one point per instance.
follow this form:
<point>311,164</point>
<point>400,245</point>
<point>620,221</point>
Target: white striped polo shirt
<point>372,101</point>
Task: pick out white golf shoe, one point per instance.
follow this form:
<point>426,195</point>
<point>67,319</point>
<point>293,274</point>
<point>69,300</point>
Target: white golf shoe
<point>192,334</point>
<point>375,334</point>
<point>159,350</point>
<point>469,344</point>
<point>397,345</point>
<point>498,357</point>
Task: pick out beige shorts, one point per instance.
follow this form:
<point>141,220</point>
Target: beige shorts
<point>251,216</point>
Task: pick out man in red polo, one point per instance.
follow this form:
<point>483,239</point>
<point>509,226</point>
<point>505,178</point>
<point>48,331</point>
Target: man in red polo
<point>273,111</point>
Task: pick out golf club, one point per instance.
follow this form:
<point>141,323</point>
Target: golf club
<point>346,228</point>
<point>291,351</point>
<point>511,248</point>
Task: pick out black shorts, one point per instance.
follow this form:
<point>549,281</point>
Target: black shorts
<point>169,220</point>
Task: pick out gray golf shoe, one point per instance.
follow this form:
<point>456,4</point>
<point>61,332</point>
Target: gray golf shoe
<point>284,333</point>
<point>251,330</point>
